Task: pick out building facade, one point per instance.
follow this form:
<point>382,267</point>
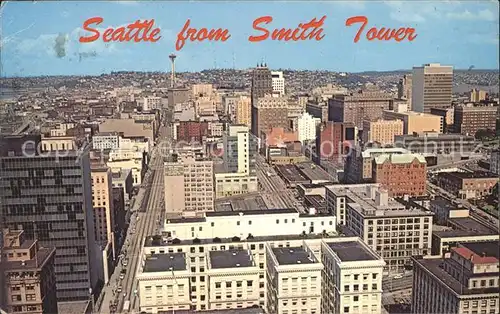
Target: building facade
<point>381,131</point>
<point>416,122</point>
<point>102,141</point>
<point>352,278</point>
<point>358,167</point>
<point>306,127</point>
<point>243,111</point>
<point>469,119</point>
<point>477,95</point>
<point>280,274</point>
<point>50,198</point>
<point>102,202</point>
<point>189,187</point>
<point>401,174</point>
<point>27,269</point>
<point>432,86</point>
<point>278,82</point>
<point>405,88</point>
<point>269,112</point>
<point>391,229</point>
<point>466,185</point>
<point>465,282</point>
<point>357,107</point>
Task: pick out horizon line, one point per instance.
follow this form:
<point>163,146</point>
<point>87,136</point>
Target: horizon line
<point>227,69</point>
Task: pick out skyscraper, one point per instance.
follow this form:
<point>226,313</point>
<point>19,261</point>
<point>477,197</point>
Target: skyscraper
<point>262,84</point>
<point>49,197</point>
<point>240,149</point>
<point>404,89</point>
<point>432,87</point>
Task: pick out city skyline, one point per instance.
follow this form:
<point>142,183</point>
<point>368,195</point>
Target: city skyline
<point>33,47</point>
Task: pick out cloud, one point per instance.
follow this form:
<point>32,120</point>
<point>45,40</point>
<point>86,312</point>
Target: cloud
<point>484,15</point>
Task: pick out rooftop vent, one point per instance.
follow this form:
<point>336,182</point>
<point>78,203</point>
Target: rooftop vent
<point>291,251</point>
<point>171,257</point>
<point>234,253</point>
<point>298,262</point>
<point>238,265</point>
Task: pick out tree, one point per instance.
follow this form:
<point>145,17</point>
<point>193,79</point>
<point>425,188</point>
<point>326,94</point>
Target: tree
<point>236,239</point>
<point>176,241</point>
<point>217,240</point>
<point>196,241</point>
<point>250,236</point>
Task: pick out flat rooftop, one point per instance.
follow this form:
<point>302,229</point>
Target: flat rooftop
<point>313,172</point>
<point>42,256</point>
<point>471,224</point>
<point>359,198</point>
<point>317,185</point>
<point>291,174</point>
<point>434,266</point>
<point>292,255</point>
<point>240,203</point>
<point>470,175</point>
<point>165,262</point>
<point>486,248</point>
<point>352,251</point>
<point>457,233</point>
<point>252,212</point>
<point>230,241</point>
<point>316,201</point>
<point>230,259</point>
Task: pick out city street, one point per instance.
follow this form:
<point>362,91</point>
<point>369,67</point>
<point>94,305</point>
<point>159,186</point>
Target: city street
<point>142,223</point>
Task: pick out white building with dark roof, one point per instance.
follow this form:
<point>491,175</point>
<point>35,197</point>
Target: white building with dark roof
<point>265,222</point>
<point>281,274</point>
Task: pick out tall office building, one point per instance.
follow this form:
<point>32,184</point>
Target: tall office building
<point>238,174</point>
<point>189,189</point>
<point>404,89</point>
<point>28,271</point>
<point>278,82</point>
<point>243,111</point>
<point>432,87</point>
<point>269,112</point>
<point>357,107</point>
<point>262,84</point>
<point>240,149</point>
<point>49,197</point>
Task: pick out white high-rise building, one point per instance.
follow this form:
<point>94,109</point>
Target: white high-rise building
<point>306,127</point>
<point>278,82</point>
<point>150,103</point>
<point>432,87</point>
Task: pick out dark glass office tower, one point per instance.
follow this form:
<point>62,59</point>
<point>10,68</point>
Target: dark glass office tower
<point>49,196</point>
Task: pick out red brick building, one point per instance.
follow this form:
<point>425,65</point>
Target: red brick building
<point>332,139</point>
<point>192,131</point>
<point>401,174</point>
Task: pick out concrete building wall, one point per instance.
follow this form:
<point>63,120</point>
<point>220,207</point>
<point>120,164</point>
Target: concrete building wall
<point>416,122</point>
<point>381,131</point>
<point>432,86</point>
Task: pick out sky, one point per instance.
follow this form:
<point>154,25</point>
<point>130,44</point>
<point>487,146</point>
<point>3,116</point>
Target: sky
<point>42,38</point>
